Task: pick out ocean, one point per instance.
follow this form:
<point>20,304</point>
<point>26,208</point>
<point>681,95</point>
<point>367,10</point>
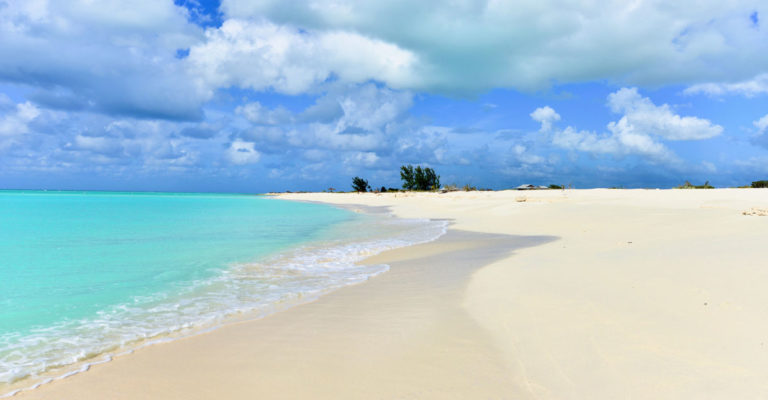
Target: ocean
<point>85,276</point>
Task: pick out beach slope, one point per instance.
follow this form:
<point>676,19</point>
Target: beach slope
<point>577,294</point>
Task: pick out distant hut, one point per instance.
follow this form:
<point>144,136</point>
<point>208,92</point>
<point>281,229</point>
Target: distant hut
<point>527,187</point>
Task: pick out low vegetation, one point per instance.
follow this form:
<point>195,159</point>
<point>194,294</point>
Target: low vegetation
<point>455,188</point>
<point>689,185</point>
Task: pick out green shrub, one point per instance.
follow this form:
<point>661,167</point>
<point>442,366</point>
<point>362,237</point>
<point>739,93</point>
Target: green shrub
<point>689,185</point>
<point>359,184</point>
<point>760,184</point>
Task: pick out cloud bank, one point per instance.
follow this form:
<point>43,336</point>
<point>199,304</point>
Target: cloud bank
<point>471,46</point>
<point>274,91</point>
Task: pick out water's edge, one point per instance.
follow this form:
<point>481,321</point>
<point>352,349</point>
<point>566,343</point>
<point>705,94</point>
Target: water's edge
<point>235,316</point>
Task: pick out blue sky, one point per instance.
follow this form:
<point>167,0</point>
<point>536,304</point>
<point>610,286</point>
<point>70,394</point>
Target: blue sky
<point>262,95</point>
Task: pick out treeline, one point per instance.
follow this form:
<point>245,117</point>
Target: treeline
<point>706,185</point>
<point>421,179</point>
<point>426,179</point>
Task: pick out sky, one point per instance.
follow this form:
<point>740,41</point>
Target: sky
<point>268,95</point>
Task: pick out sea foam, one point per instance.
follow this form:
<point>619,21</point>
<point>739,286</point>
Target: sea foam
<point>243,290</point>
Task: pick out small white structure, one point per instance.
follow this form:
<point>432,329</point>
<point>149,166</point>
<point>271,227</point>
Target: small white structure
<point>527,187</point>
<point>531,187</point>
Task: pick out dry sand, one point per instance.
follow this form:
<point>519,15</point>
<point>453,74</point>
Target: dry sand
<point>578,294</point>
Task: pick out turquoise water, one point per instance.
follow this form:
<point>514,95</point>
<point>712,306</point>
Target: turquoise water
<point>68,255</point>
<point>83,274</point>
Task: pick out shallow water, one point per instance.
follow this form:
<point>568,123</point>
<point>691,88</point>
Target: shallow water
<point>88,274</point>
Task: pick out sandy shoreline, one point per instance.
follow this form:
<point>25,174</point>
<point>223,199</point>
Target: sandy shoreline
<point>587,294</point>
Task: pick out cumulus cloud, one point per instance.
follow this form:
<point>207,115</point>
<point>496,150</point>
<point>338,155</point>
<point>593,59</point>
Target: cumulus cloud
<point>361,159</point>
<point>261,55</point>
<point>357,118</point>
<point>762,124</point>
<point>16,122</point>
<point>71,143</point>
<point>546,116</point>
<point>619,142</point>
<point>102,145</point>
<point>522,153</point>
<point>99,84</point>
<point>761,137</point>
<point>748,88</point>
<point>472,46</point>
<point>259,114</point>
<point>101,56</point>
<point>637,132</point>
<point>645,118</point>
<point>371,108</point>
<point>241,153</point>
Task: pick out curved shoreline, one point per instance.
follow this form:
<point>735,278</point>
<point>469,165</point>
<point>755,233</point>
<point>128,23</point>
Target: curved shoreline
<point>331,326</point>
<point>57,374</point>
<point>644,294</point>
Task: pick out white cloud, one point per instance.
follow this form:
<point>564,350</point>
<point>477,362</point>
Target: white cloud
<point>635,133</point>
<point>362,159</point>
<point>359,118</point>
<point>470,46</point>
<point>259,114</point>
<point>101,56</point>
<point>762,124</point>
<point>367,62</point>
<point>618,142</point>
<point>16,122</point>
<point>262,55</point>
<point>749,88</point>
<point>97,144</point>
<point>240,152</point>
<point>546,116</point>
<point>371,108</point>
<point>523,155</point>
<point>328,136</point>
<point>644,117</point>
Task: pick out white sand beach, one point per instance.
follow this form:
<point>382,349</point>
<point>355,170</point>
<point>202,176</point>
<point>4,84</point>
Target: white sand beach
<point>575,294</point>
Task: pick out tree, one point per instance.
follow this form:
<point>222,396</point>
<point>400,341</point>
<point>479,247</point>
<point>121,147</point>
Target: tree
<point>760,184</point>
<point>419,178</point>
<point>431,179</point>
<point>406,174</point>
<point>359,184</point>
